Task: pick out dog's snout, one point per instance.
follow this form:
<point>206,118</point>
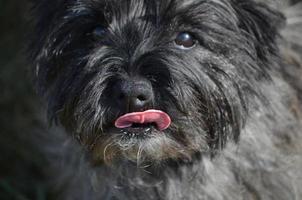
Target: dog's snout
<point>134,95</point>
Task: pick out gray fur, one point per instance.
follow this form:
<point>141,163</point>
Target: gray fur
<point>264,164</point>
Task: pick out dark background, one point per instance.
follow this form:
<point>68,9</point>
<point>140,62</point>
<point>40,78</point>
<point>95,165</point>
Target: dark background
<point>20,163</point>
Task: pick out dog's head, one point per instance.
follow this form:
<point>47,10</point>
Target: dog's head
<point>152,80</point>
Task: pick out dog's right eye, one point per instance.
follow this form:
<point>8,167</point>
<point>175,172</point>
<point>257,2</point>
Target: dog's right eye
<point>99,31</point>
<point>185,40</point>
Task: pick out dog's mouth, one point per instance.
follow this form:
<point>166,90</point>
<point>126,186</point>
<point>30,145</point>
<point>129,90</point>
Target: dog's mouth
<point>142,123</point>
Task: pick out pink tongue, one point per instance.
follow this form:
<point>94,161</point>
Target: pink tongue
<point>160,118</point>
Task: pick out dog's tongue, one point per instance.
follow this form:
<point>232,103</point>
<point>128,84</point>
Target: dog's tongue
<point>160,118</point>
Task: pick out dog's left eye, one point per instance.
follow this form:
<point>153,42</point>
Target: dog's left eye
<point>185,40</point>
<point>99,31</point>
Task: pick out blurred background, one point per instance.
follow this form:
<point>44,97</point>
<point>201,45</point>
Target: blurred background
<point>20,164</point>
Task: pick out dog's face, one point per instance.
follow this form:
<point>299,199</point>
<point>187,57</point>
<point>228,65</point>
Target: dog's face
<point>152,80</point>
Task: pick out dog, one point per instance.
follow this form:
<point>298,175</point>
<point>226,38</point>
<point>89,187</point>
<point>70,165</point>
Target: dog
<point>169,99</point>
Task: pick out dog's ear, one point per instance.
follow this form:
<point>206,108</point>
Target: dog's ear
<point>44,10</point>
<point>43,13</point>
<point>261,24</point>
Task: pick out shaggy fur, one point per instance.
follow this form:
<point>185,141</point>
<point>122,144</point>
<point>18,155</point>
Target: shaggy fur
<point>235,109</point>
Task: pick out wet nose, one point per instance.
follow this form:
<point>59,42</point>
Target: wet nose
<point>134,95</point>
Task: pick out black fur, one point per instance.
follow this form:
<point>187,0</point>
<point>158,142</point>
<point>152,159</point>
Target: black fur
<point>235,130</point>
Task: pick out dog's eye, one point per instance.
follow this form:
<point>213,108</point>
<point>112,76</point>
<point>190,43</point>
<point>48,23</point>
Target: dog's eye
<point>185,40</point>
<point>99,31</point>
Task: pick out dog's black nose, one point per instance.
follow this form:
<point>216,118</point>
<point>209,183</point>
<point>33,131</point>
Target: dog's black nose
<point>134,95</point>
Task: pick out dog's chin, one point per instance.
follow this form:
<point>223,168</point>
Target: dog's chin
<point>140,144</point>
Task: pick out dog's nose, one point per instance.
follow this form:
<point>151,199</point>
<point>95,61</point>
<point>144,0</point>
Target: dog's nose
<point>134,95</point>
